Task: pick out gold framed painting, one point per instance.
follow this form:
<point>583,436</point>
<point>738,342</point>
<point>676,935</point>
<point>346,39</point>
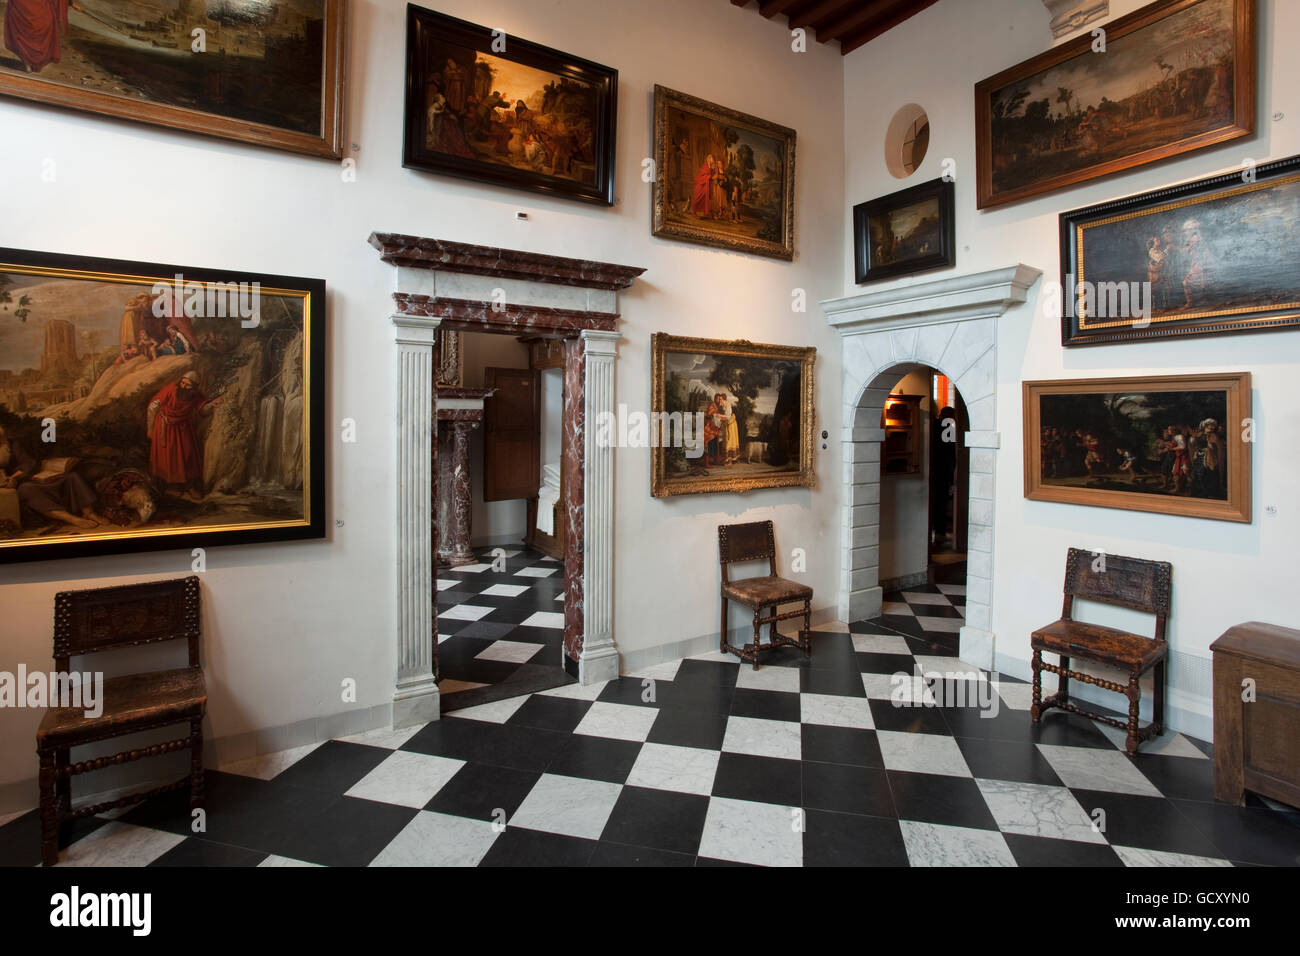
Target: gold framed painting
<point>730,416</point>
<point>725,178</point>
<point>147,407</point>
<point>247,70</point>
<point>1169,444</point>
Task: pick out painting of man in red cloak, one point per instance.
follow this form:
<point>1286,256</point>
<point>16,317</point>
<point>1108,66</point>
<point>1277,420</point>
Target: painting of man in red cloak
<point>175,452</point>
<point>34,30</point>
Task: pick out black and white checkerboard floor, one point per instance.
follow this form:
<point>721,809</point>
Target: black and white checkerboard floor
<point>500,626</point>
<point>704,761</point>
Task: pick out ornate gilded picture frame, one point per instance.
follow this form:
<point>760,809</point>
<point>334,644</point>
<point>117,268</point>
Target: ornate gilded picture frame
<point>1169,444</point>
<point>724,178</point>
<point>146,407</point>
<point>265,73</point>
<point>730,416</point>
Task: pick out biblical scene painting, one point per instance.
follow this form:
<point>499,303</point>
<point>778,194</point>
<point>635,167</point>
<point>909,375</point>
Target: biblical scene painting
<point>504,110</point>
<point>735,415</point>
<point>724,178</point>
<point>1172,76</point>
<point>1179,443</point>
<point>276,63</point>
<point>142,409</point>
<point>905,232</point>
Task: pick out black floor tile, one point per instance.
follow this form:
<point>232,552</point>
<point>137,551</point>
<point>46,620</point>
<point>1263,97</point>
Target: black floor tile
<point>616,854</point>
<point>761,779</point>
<point>844,789</point>
<point>596,758</point>
<point>688,727</point>
<point>841,745</point>
<point>519,847</point>
<point>1020,761</point>
<point>1149,823</point>
<point>840,839</point>
<point>765,705</point>
<point>334,767</point>
<point>660,819</point>
<point>1041,851</point>
<point>478,790</point>
<point>908,719</point>
<point>196,852</point>
<point>934,798</point>
<point>1246,833</point>
<point>559,714</point>
<point>523,748</point>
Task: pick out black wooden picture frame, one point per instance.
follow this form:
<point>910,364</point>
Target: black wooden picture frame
<point>935,243</point>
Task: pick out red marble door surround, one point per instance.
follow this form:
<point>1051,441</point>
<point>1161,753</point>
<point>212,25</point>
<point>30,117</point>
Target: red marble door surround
<point>471,288</point>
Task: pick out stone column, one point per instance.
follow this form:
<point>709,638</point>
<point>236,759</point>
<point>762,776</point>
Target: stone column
<point>599,660</point>
<point>455,504</point>
<point>415,698</point>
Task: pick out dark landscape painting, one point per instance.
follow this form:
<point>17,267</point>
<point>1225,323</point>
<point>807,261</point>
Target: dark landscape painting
<point>1180,79</point>
<point>725,179</point>
<point>1215,256</point>
<point>520,115</point>
<point>271,62</point>
<point>138,408</point>
<point>905,232</point>
<point>1179,446</point>
<point>745,407</point>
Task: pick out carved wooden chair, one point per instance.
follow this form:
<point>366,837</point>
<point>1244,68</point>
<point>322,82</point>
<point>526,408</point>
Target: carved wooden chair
<point>1134,583</point>
<point>755,541</point>
<point>107,619</point>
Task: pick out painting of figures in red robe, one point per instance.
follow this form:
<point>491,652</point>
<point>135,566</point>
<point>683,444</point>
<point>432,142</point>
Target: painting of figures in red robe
<point>724,178</point>
<point>146,407</point>
<point>267,72</point>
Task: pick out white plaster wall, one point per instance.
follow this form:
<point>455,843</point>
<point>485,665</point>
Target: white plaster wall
<point>1224,573</point>
<point>287,622</point>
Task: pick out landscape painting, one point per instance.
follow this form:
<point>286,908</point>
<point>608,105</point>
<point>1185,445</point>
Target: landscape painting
<point>905,232</point>
<point>146,407</point>
<point>1214,256</point>
<point>730,416</point>
<point>724,178</point>
<point>261,71</point>
<point>1169,444</point>
<point>1173,76</point>
<point>506,111</point>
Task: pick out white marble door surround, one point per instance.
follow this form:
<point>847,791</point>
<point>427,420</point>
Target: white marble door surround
<point>949,324</point>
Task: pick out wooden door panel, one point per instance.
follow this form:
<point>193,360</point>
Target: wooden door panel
<point>512,466</point>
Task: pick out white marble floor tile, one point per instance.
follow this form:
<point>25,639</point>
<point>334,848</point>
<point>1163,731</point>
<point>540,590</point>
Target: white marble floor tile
<point>1033,809</point>
<point>406,779</point>
<point>438,839</point>
<point>449,686</point>
<point>534,572</point>
<point>896,607</point>
<point>444,583</point>
<point>567,805</point>
<point>763,834</point>
<point>617,721</point>
<point>763,738</point>
<point>932,844</point>
<point>1087,768</point>
<point>1135,856</point>
<point>665,671</point>
<point>1016,696</point>
<point>718,657</point>
<point>464,612</point>
<point>899,687</point>
<point>922,753</point>
<point>576,691</point>
<point>925,597</point>
<point>559,597</point>
<point>493,712</point>
<point>384,737</point>
<point>769,678</point>
<point>268,766</point>
<point>119,844</point>
<point>473,568</point>
<point>1169,744</point>
<point>514,652</point>
<point>832,627</point>
<point>940,625</point>
<point>681,769</point>
<point>951,588</point>
<point>951,668</point>
<point>551,619</point>
<point>880,644</point>
<point>274,860</point>
<point>832,711</point>
<point>505,590</point>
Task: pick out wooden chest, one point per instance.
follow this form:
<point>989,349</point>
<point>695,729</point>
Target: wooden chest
<point>1257,741</point>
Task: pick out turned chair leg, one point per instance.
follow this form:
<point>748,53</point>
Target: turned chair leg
<point>196,763</point>
<point>758,634</point>
<point>49,809</point>
<point>807,627</point>
<point>1134,693</point>
<point>1158,701</point>
<point>63,792</point>
<point>722,629</point>
<point>1063,680</point>
<point>1036,708</point>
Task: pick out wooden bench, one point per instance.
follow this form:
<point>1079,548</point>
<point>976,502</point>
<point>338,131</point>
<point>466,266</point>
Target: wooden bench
<point>108,619</point>
<point>1134,583</point>
<point>756,541</point>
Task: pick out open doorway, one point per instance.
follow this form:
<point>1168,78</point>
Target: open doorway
<point>924,468</point>
<point>501,613</point>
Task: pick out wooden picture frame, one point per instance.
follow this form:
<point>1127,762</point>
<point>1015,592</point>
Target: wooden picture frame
<point>1187,69</point>
<point>735,445</point>
<point>725,178</point>
<point>105,448</point>
<point>1207,257</point>
<point>1137,444</point>
<point>925,215</point>
<point>503,110</point>
<point>151,72</point>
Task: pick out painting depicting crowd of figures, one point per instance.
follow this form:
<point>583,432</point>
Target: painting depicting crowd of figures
<point>1173,76</point>
<point>738,415</point>
<point>146,407</point>
<point>275,63</point>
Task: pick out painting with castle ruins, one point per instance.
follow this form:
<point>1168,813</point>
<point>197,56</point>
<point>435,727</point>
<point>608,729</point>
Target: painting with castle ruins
<point>261,71</point>
<point>145,407</point>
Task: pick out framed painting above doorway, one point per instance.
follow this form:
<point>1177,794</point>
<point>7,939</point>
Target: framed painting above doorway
<point>499,109</point>
<point>725,178</point>
<point>1171,77</point>
<point>248,70</point>
<point>910,231</point>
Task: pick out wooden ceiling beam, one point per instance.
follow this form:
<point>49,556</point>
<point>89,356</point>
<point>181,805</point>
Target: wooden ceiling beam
<point>852,41</point>
<point>818,13</point>
<point>771,8</point>
<point>859,19</point>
